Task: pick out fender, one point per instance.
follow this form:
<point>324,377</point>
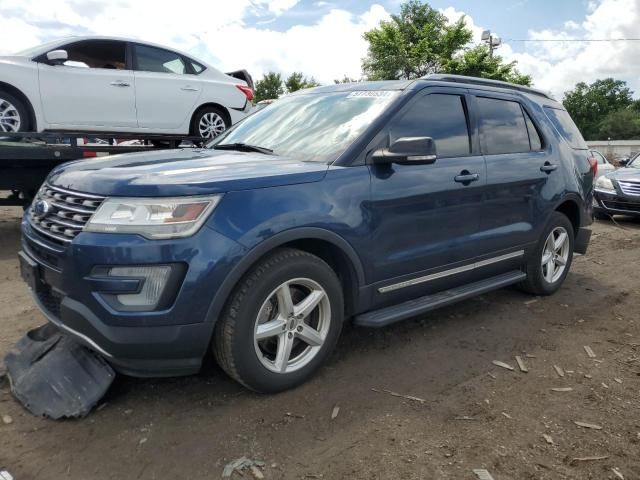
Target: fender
<point>261,249</point>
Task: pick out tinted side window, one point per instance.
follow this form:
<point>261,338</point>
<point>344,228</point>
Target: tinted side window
<point>534,135</point>
<point>563,123</point>
<point>151,59</point>
<point>503,126</point>
<point>197,68</point>
<point>97,54</point>
<point>439,116</point>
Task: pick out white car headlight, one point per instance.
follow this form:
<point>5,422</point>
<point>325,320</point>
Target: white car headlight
<point>603,183</point>
<point>153,218</point>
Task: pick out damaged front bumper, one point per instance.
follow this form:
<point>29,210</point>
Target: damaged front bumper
<point>170,340</point>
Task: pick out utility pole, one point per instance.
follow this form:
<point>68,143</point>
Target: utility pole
<point>493,41</point>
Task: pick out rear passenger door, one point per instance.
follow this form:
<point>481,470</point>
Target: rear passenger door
<point>424,216</point>
<point>520,170</point>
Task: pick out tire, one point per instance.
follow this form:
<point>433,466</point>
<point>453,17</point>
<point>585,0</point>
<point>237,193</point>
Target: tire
<point>544,279</point>
<point>209,122</point>
<point>253,311</point>
<point>14,116</point>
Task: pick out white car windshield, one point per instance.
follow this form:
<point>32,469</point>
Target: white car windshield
<point>635,161</point>
<point>315,127</point>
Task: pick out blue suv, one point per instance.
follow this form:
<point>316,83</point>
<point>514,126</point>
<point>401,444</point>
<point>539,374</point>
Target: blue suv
<point>373,202</point>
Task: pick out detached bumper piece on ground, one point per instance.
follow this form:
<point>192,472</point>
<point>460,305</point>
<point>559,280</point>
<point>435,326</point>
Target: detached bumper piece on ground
<point>55,377</point>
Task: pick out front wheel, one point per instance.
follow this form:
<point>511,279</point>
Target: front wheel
<point>13,114</point>
<point>209,122</point>
<point>549,264</point>
<point>281,323</point>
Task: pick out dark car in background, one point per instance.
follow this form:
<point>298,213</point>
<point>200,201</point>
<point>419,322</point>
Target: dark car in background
<point>618,192</point>
<point>371,202</point>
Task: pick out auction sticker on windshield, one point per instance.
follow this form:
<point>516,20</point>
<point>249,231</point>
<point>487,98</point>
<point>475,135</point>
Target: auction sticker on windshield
<point>371,93</point>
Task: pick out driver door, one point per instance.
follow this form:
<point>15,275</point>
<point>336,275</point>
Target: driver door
<point>424,216</point>
<point>94,89</point>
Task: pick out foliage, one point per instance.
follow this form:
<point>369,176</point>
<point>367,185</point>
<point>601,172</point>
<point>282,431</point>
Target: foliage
<point>590,105</point>
<point>269,87</point>
<point>623,124</point>
<point>345,79</point>
<point>297,81</point>
<point>477,62</point>
<point>418,41</point>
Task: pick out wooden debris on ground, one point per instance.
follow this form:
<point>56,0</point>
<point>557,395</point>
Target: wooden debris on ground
<point>588,425</point>
<point>562,389</point>
<point>559,370</point>
<point>617,473</point>
<point>482,474</point>
<point>335,412</point>
<point>505,414</point>
<point>547,438</point>
<point>498,363</point>
<point>590,352</point>
<point>399,395</point>
<point>523,368</point>
<point>589,459</point>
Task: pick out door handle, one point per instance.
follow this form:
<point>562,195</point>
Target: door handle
<point>466,177</point>
<point>189,88</point>
<point>548,167</point>
<point>120,83</point>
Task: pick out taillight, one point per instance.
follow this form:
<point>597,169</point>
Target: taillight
<point>594,167</point>
<point>246,90</point>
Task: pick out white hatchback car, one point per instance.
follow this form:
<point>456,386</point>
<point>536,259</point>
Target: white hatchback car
<point>104,84</point>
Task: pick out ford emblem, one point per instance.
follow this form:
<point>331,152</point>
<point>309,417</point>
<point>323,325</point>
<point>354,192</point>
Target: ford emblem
<point>41,208</point>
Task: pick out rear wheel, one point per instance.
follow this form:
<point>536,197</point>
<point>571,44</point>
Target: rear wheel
<point>209,122</point>
<point>13,114</point>
<point>281,323</point>
<point>549,265</point>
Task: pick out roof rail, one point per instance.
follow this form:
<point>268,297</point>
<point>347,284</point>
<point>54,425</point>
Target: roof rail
<point>443,77</point>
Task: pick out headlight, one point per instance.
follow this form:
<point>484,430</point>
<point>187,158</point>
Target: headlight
<point>153,218</point>
<point>603,183</point>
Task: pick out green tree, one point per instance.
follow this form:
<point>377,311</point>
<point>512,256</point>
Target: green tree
<point>623,124</point>
<point>269,87</point>
<point>590,104</point>
<point>418,41</point>
<point>345,79</point>
<point>297,81</point>
<point>477,62</point>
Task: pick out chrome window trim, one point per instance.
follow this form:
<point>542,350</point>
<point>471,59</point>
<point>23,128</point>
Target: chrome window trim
<point>452,271</point>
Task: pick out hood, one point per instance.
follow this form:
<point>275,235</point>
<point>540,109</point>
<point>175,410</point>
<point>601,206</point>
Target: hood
<point>182,172</point>
<point>625,173</point>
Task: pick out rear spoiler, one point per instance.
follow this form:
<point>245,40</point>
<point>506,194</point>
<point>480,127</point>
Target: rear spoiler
<point>242,75</point>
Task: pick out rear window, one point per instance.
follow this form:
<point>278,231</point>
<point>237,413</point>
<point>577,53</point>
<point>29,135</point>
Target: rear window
<point>565,126</point>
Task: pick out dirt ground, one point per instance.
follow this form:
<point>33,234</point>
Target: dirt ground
<point>473,414</point>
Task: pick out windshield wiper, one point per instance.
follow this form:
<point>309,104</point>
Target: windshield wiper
<point>243,147</point>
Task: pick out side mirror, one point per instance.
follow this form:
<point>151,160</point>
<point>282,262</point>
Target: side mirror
<point>57,57</point>
<point>407,151</point>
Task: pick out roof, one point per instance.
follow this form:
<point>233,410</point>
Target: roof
<point>485,82</point>
<point>360,86</point>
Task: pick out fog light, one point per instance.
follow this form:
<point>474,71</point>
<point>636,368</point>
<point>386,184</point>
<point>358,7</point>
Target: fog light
<point>155,279</point>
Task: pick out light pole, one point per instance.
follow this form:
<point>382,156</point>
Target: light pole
<point>493,41</point>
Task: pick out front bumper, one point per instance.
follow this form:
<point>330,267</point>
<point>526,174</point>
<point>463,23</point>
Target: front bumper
<point>167,342</point>
<point>616,203</point>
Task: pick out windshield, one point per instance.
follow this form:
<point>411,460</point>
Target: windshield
<point>310,127</point>
<point>635,161</point>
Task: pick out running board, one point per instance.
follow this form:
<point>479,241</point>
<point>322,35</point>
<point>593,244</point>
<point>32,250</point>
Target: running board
<point>411,308</point>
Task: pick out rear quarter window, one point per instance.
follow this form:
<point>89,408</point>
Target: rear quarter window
<point>565,126</point>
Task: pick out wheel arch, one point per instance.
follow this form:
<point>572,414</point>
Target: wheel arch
<point>330,247</point>
<point>224,110</point>
<point>570,207</point>
<point>27,103</point>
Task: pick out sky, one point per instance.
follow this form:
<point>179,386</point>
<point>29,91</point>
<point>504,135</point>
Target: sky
<point>323,38</point>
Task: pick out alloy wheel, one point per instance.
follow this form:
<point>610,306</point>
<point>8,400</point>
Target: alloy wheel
<point>292,325</point>
<point>9,117</point>
<point>555,254</point>
<point>211,125</point>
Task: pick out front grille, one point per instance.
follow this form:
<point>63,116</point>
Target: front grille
<point>64,214</point>
<point>624,206</point>
<point>630,188</point>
